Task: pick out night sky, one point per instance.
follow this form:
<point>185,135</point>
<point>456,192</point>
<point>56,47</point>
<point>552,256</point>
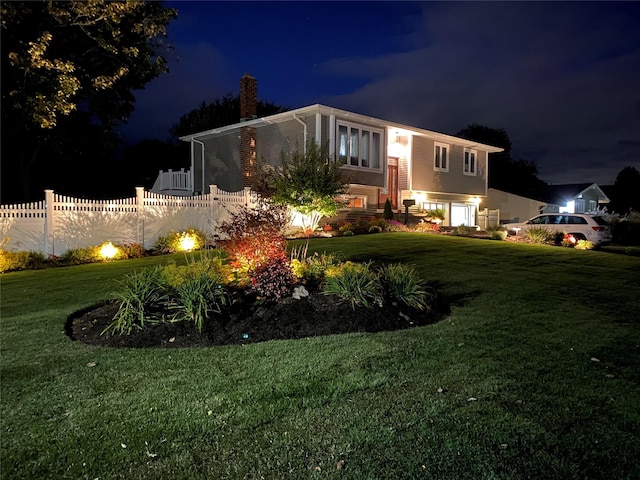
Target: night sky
<point>562,78</point>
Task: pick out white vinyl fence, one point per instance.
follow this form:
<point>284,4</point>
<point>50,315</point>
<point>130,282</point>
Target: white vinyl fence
<point>59,223</point>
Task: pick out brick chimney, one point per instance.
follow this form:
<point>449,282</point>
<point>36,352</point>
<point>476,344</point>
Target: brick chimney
<point>248,111</point>
<point>248,97</point>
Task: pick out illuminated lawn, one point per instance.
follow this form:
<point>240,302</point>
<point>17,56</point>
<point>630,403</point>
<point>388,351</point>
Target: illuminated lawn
<point>536,374</point>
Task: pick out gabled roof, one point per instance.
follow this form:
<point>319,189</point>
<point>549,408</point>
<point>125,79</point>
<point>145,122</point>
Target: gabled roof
<point>343,114</point>
<point>561,194</point>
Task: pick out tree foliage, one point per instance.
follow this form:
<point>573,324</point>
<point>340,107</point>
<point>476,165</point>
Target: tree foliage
<point>506,173</point>
<point>68,72</point>
<point>219,113</point>
<point>309,183</point>
<point>624,197</point>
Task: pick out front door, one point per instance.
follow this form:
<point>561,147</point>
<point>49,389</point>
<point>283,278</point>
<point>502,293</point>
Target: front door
<point>393,185</point>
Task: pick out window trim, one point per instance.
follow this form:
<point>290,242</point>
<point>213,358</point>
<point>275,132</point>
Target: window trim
<point>466,168</point>
<point>437,163</point>
<point>375,135</point>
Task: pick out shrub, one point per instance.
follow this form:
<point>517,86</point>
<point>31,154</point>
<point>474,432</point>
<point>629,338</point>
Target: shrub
<point>347,233</point>
<point>396,226</point>
<point>139,293</point>
<point>584,245</point>
<point>375,229</point>
<point>345,227</point>
<point>361,226</point>
<point>499,235</point>
<point>133,250</point>
<point>356,283</point>
<point>252,237</point>
<point>187,240</point>
<point>541,235</point>
<point>198,295</point>
<point>10,261</point>
<point>272,280</point>
<point>401,282</point>
<point>427,227</point>
<point>387,214</point>
<point>464,230</point>
<point>77,256</point>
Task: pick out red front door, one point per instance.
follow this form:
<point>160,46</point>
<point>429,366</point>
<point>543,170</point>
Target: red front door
<point>392,190</point>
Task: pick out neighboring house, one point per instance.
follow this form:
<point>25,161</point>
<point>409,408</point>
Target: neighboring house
<point>513,208</point>
<point>575,198</point>
<point>384,160</point>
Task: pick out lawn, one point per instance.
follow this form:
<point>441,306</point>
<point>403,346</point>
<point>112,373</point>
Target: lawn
<point>535,374</point>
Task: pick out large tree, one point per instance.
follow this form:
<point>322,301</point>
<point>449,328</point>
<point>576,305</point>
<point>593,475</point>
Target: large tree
<point>624,197</point>
<point>68,72</point>
<point>219,113</point>
<point>506,173</point>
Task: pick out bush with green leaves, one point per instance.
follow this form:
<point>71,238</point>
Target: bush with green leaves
<point>464,230</point>
<point>77,256</point>
<point>312,269</point>
<point>357,283</point>
<point>192,292</point>
<point>584,245</point>
<point>140,295</point>
<point>173,241</point>
<point>541,235</point>
<point>387,214</point>
<point>22,260</point>
<point>401,283</point>
<point>498,235</point>
<point>197,296</point>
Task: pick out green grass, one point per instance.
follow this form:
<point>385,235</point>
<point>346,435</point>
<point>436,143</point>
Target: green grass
<point>545,339</point>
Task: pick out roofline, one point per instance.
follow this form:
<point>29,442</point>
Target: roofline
<point>327,110</point>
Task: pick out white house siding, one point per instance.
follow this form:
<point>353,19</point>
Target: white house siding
<point>513,208</point>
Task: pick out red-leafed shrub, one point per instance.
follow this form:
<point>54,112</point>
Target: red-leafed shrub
<point>253,236</point>
<point>273,280</point>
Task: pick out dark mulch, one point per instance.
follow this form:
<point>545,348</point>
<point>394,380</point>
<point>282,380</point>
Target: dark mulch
<point>251,321</point>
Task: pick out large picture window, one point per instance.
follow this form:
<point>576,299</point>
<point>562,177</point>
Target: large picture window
<point>470,162</point>
<point>359,146</point>
<point>441,157</point>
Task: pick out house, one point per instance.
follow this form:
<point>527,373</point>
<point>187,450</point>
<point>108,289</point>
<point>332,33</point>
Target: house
<point>575,198</point>
<point>513,208</point>
<point>384,160</point>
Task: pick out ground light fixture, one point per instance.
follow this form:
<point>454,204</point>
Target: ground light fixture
<point>517,229</point>
<point>108,251</point>
<point>187,242</point>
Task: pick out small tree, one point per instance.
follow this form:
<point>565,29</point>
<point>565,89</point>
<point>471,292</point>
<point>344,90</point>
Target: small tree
<point>388,211</point>
<point>309,183</point>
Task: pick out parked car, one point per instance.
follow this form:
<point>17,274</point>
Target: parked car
<point>580,225</point>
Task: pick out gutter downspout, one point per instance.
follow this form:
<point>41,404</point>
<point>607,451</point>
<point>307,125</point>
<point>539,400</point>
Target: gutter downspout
<point>192,166</point>
<point>304,125</point>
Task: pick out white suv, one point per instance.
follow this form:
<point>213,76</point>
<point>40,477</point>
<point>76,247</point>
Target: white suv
<point>580,225</point>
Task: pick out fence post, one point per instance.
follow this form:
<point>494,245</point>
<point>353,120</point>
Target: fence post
<point>49,223</point>
<point>140,215</point>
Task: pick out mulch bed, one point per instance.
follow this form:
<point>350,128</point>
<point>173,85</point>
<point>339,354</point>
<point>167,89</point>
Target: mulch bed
<point>251,321</point>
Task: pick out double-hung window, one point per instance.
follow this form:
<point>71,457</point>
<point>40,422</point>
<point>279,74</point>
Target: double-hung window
<point>470,161</point>
<point>359,146</point>
<point>441,157</point>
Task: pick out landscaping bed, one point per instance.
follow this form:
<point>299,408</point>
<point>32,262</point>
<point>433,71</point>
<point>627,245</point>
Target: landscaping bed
<point>250,321</point>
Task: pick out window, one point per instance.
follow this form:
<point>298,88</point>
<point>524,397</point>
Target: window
<point>470,164</point>
<point>359,147</point>
<point>441,160</point>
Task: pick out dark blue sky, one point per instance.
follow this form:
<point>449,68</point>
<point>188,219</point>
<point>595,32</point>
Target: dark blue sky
<point>562,78</point>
